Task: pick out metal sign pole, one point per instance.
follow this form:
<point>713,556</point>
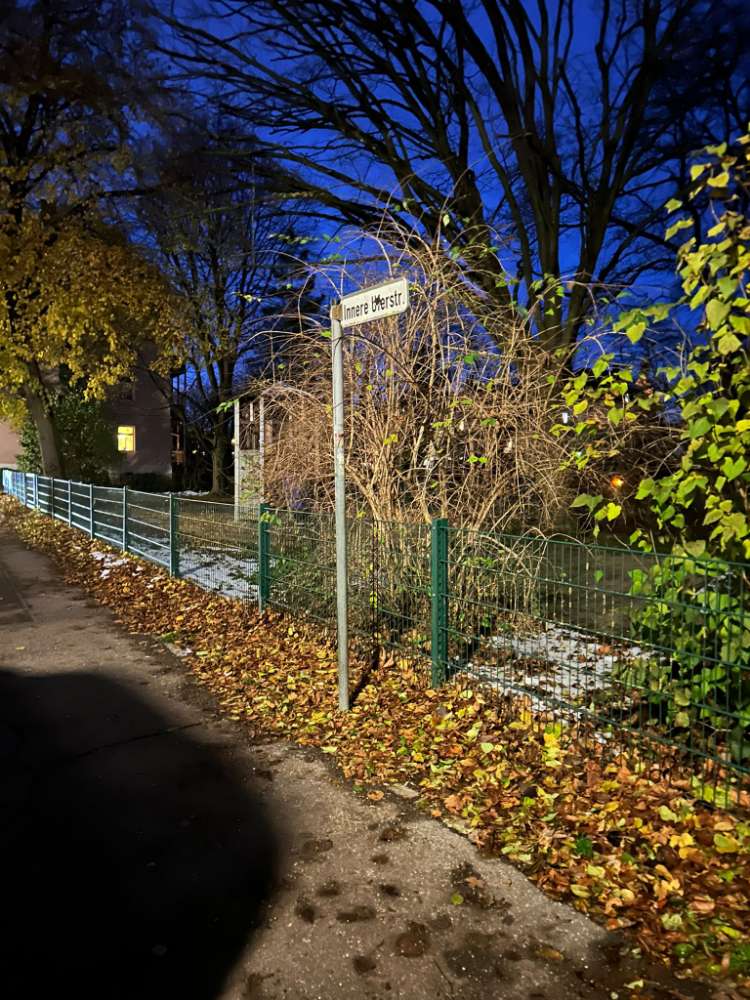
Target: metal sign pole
<point>236,439</point>
<point>337,358</point>
<point>262,445</point>
<point>378,302</point>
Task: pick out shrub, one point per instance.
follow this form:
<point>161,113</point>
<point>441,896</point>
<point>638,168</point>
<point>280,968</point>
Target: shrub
<point>697,609</point>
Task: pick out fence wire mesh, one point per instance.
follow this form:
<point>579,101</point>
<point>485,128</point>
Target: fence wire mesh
<point>61,499</point>
<point>301,564</point>
<point>400,586</point>
<point>218,546</point>
<point>649,645</point>
<point>641,647</point>
<point>148,525</point>
<point>108,515</point>
<point>80,506</point>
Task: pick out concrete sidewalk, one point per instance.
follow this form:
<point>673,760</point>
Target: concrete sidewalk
<point>150,849</point>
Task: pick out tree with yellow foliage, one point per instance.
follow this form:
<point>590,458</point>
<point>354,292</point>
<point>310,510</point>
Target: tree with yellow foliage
<point>76,299</point>
<point>75,296</point>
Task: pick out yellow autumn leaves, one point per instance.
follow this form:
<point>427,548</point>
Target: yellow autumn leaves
<point>77,294</point>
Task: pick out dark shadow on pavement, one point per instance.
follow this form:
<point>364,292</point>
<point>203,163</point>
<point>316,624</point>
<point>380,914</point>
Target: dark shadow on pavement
<point>134,861</point>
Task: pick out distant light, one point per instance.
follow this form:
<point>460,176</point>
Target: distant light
<point>617,482</point>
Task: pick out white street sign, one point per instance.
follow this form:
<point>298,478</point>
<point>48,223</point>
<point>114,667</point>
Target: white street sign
<point>375,303</point>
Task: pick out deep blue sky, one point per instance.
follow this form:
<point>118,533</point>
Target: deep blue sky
<point>649,285</point>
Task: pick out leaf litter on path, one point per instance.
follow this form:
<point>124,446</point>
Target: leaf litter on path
<point>607,832</point>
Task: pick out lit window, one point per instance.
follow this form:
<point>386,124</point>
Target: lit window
<point>126,438</point>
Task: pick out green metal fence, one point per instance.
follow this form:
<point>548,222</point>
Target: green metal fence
<point>654,644</point>
<point>653,647</point>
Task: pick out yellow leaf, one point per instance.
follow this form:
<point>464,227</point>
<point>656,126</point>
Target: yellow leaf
<point>667,815</point>
<point>720,180</point>
<point>725,844</point>
<point>681,840</point>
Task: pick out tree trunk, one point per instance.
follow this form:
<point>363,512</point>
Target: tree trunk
<point>218,461</point>
<point>53,463</point>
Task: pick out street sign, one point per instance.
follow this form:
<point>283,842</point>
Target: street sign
<point>377,302</point>
<point>387,299</point>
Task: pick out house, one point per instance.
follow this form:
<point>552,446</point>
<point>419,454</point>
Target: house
<point>141,414</point>
<point>139,411</point>
<point>10,444</point>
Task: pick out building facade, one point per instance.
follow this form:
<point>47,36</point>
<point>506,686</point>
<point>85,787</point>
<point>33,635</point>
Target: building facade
<point>141,415</point>
<point>10,444</point>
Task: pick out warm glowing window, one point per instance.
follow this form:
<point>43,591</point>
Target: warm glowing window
<point>126,438</point>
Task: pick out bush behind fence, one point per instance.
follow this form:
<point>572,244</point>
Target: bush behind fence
<point>653,646</point>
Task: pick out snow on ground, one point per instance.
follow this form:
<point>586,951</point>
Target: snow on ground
<point>222,572</point>
<point>108,561</point>
<point>558,664</point>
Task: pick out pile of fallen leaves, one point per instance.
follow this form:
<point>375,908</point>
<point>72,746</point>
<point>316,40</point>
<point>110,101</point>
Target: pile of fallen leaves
<point>587,824</point>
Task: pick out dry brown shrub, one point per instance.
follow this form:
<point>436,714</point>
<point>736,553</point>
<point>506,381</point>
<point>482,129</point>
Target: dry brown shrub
<point>449,407</point>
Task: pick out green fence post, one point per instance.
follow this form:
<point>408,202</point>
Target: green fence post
<point>92,526</point>
<point>439,578</point>
<point>174,540</point>
<point>52,497</point>
<point>264,560</point>
<point>36,491</point>
<point>124,519</point>
<point>70,503</point>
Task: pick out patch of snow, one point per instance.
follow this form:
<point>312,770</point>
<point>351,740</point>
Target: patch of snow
<point>181,651</point>
<point>223,572</point>
<point>108,561</point>
<point>557,666</point>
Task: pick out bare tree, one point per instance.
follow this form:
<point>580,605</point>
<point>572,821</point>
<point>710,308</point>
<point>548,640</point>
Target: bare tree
<point>440,423</point>
<point>566,125</point>
<point>230,250</point>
